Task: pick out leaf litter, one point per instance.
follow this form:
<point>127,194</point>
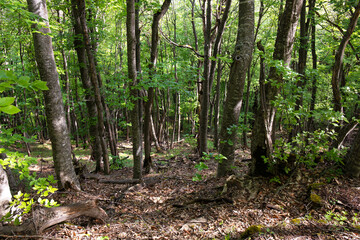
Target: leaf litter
<point>169,205</point>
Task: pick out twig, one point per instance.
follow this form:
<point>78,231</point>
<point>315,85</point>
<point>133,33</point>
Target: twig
<point>179,45</point>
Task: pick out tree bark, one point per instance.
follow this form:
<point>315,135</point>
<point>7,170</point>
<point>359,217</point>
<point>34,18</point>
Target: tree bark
<point>261,141</point>
<point>205,91</point>
<point>95,84</point>
<point>54,106</point>
<point>235,88</point>
<point>303,51</point>
<point>96,150</point>
<point>352,158</point>
<point>217,105</point>
<point>314,67</point>
<point>148,106</point>
<point>135,121</point>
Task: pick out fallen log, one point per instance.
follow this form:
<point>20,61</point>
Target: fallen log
<point>44,218</point>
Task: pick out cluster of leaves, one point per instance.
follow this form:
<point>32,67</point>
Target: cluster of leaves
<point>9,80</point>
<point>16,161</point>
<point>202,166</point>
<point>22,201</point>
<point>308,148</point>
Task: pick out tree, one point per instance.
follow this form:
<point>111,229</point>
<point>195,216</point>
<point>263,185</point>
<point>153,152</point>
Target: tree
<point>79,45</point>
<point>54,107</point>
<point>148,106</point>
<point>235,88</point>
<point>352,159</point>
<point>134,92</point>
<point>339,56</point>
<point>262,135</point>
<point>212,42</point>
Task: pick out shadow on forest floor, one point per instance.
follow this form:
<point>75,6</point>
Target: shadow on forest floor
<point>310,204</point>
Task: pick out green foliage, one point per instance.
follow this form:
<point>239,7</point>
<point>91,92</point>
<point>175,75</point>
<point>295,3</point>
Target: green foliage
<point>42,186</point>
<point>17,161</point>
<point>218,157</point>
<point>275,179</point>
<point>338,218</point>
<point>8,138</point>
<point>200,167</point>
<point>308,148</point>
<point>190,139</point>
<point>9,80</point>
<point>118,162</point>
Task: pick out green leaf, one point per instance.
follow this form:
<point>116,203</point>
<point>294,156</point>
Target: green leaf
<point>39,85</point>
<point>6,101</point>
<point>23,81</point>
<point>4,86</point>
<point>9,109</point>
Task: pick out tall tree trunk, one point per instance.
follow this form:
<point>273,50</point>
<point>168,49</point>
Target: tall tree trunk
<point>205,93</point>
<point>135,121</point>
<point>95,84</point>
<point>217,105</point>
<point>54,106</point>
<point>148,106</point>
<point>235,88</point>
<point>314,66</point>
<point>261,141</point>
<point>89,91</point>
<point>339,56</point>
<point>249,76</point>
<point>303,51</point>
<point>352,159</point>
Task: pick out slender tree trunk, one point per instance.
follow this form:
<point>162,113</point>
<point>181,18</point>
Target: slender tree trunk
<point>217,42</point>
<point>135,120</point>
<point>303,50</point>
<point>261,141</point>
<point>250,74</point>
<point>148,106</point>
<point>79,44</point>
<point>203,130</point>
<point>95,84</point>
<point>217,105</point>
<point>314,67</point>
<point>232,106</point>
<point>54,105</point>
<point>339,56</point>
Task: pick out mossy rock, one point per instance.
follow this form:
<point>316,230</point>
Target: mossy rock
<point>253,229</point>
<point>315,198</point>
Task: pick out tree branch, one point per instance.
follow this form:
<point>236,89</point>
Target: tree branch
<point>179,45</point>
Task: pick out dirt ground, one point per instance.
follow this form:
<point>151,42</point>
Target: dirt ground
<point>168,204</point>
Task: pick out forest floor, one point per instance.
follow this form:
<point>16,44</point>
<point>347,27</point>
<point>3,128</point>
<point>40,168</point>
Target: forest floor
<point>308,204</point>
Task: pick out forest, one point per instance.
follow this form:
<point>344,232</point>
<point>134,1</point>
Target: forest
<point>179,119</point>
